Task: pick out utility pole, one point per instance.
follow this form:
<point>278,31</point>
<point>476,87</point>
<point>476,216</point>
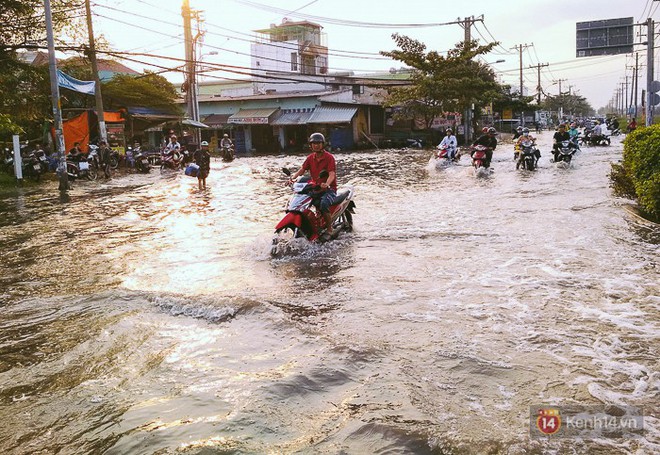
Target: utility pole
<point>625,106</point>
<point>559,81</point>
<point>650,37</point>
<point>520,48</point>
<point>55,95</point>
<point>103,135</point>
<point>538,86</point>
<point>191,64</point>
<point>636,80</point>
<point>467,26</point>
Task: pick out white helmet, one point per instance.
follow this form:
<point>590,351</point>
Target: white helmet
<point>204,143</point>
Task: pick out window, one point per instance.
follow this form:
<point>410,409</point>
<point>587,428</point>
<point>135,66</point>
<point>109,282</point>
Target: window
<point>358,89</point>
<point>376,120</point>
<point>294,61</point>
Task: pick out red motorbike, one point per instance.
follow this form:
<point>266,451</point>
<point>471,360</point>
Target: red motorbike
<point>303,217</point>
<point>478,153</point>
<point>171,160</point>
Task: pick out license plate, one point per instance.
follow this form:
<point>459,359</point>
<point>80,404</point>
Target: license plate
<point>37,167</point>
<point>84,166</point>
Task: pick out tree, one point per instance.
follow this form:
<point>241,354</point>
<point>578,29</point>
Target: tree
<point>149,90</point>
<point>25,88</point>
<point>439,83</point>
<point>571,104</point>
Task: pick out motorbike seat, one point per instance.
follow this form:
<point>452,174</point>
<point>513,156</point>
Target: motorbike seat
<point>341,196</point>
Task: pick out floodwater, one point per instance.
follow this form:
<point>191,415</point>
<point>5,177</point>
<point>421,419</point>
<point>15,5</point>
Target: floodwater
<point>141,315</point>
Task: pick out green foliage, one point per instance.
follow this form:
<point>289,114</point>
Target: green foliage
<point>150,90</point>
<point>442,83</point>
<point>8,127</point>
<point>571,104</point>
<point>639,173</point>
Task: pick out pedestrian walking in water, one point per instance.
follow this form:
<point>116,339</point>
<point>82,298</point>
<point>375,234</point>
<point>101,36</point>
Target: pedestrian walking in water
<point>104,157</point>
<point>202,158</point>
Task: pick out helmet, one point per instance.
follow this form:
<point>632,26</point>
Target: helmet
<point>225,135</point>
<point>448,130</point>
<point>317,137</point>
<point>204,143</point>
<point>484,130</point>
<point>525,130</point>
<point>520,128</point>
<point>492,130</point>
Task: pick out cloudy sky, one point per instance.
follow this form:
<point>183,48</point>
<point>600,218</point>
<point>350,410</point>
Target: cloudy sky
<point>357,29</point>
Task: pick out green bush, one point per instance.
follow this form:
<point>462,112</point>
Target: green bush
<point>638,175</point>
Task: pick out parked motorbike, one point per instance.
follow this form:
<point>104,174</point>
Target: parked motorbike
<point>303,219</point>
<point>82,168</point>
<point>228,153</point>
<point>141,161</point>
<point>528,155</point>
<point>32,167</point>
<point>115,158</point>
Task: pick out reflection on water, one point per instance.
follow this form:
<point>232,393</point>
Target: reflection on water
<point>143,315</point>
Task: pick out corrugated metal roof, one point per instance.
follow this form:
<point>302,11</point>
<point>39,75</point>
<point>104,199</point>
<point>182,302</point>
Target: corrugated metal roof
<point>325,114</point>
<point>216,119</point>
<point>247,116</point>
<point>291,118</point>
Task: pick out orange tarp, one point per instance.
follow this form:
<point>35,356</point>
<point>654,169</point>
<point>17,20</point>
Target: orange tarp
<point>76,129</point>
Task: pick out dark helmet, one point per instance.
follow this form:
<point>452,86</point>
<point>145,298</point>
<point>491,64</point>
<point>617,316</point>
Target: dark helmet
<point>316,137</point>
<point>525,130</point>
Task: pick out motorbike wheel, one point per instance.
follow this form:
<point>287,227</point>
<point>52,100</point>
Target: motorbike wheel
<point>92,174</point>
<point>114,162</point>
<point>530,165</point>
<point>347,220</point>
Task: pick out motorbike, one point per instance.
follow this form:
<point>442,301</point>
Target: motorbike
<point>414,143</point>
<point>527,155</point>
<point>303,219</point>
<point>171,160</point>
<point>114,159</point>
<point>228,153</point>
<point>443,154</point>
<point>141,161</point>
<point>83,167</point>
<point>566,151</point>
<point>478,153</point>
<point>32,167</point>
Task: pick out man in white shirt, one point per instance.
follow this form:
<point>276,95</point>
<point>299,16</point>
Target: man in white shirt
<point>450,142</point>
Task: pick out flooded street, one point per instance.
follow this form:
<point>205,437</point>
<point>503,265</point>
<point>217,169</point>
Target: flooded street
<point>143,316</point>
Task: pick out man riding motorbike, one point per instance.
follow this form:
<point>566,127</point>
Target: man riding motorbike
<point>450,142</point>
<point>316,162</point>
<point>560,136</point>
<point>487,140</point>
<point>526,136</point>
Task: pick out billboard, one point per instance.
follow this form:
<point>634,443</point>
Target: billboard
<point>604,37</point>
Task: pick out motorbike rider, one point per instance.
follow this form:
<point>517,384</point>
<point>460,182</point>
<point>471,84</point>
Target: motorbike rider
<point>632,126</point>
<point>75,153</point>
<point>172,147</point>
<point>596,132</point>
<point>317,161</point>
<point>202,158</point>
<point>526,136</point>
<point>450,142</point>
<point>615,124</point>
<point>518,133</point>
<point>560,136</point>
<point>487,140</point>
<point>225,142</point>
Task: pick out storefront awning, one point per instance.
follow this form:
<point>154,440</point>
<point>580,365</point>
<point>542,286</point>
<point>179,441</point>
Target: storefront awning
<point>215,120</point>
<point>253,116</point>
<point>325,114</point>
<point>193,123</point>
<point>291,118</point>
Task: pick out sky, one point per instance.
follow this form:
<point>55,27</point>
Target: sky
<point>358,29</point>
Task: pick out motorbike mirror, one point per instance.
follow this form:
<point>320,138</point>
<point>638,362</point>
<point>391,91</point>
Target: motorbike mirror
<point>286,171</point>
